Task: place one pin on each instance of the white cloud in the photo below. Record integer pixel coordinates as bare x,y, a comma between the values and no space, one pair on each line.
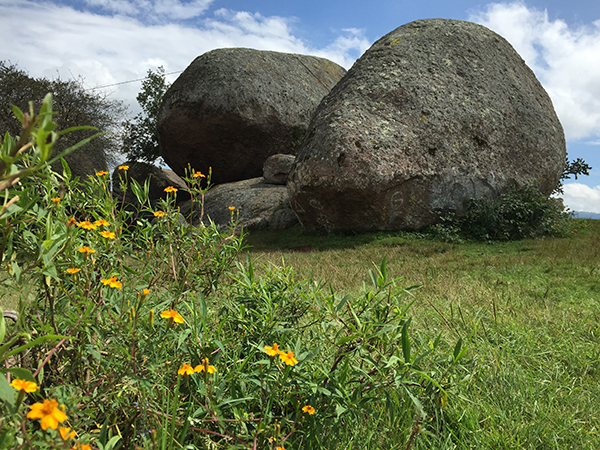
153,10
347,48
566,60
580,197
108,49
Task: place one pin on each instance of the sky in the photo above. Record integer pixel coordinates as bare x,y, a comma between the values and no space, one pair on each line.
111,42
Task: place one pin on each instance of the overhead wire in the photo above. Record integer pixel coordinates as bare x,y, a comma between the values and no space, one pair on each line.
128,81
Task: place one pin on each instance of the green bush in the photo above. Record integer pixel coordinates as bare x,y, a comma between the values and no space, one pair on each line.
520,212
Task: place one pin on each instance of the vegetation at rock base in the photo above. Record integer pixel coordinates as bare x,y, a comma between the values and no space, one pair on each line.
138,333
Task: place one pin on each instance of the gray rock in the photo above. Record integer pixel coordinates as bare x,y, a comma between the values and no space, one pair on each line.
232,108
257,205
159,180
433,114
277,168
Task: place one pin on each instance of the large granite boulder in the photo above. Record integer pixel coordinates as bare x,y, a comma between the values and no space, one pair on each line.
234,107
433,114
258,205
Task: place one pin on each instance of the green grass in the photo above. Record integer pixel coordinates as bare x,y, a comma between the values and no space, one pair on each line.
529,311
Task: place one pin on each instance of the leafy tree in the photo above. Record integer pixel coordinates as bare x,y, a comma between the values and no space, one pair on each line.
73,105
140,139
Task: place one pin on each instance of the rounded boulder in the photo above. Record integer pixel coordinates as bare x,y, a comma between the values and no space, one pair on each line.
232,108
435,113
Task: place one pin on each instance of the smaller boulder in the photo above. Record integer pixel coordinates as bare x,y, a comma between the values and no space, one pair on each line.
277,168
258,205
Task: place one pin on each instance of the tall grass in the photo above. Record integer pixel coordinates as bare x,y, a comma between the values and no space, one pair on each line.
529,310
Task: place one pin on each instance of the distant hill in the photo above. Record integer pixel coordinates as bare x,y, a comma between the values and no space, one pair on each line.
586,215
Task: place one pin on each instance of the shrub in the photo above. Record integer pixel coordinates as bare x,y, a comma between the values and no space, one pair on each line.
520,212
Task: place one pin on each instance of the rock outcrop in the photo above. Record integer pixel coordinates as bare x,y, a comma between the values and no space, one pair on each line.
233,108
276,168
258,205
433,114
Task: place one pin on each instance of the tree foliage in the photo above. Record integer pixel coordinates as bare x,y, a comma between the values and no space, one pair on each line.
140,139
73,104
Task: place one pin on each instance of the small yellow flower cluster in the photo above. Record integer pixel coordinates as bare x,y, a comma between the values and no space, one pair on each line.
24,385
287,358
172,189
48,413
101,173
160,214
87,225
112,282
199,174
172,315
186,369
124,167
55,200
308,409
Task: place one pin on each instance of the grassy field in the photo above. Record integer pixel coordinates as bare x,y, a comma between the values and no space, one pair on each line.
529,311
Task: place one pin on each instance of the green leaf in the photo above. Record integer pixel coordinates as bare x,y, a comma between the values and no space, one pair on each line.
38,341
339,410
2,326
18,372
457,349
110,445
234,401
406,342
8,394
18,114
416,402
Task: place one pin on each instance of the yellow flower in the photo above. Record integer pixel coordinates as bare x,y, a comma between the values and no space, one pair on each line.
288,358
86,249
81,446
87,225
273,351
309,409
107,234
66,433
24,385
145,292
101,173
279,448
172,314
171,189
49,414
71,221
73,270
123,167
186,369
112,282
199,175
101,223
232,208
160,214
55,200
205,367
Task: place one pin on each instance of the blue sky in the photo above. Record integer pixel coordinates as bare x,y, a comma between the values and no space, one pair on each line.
112,41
